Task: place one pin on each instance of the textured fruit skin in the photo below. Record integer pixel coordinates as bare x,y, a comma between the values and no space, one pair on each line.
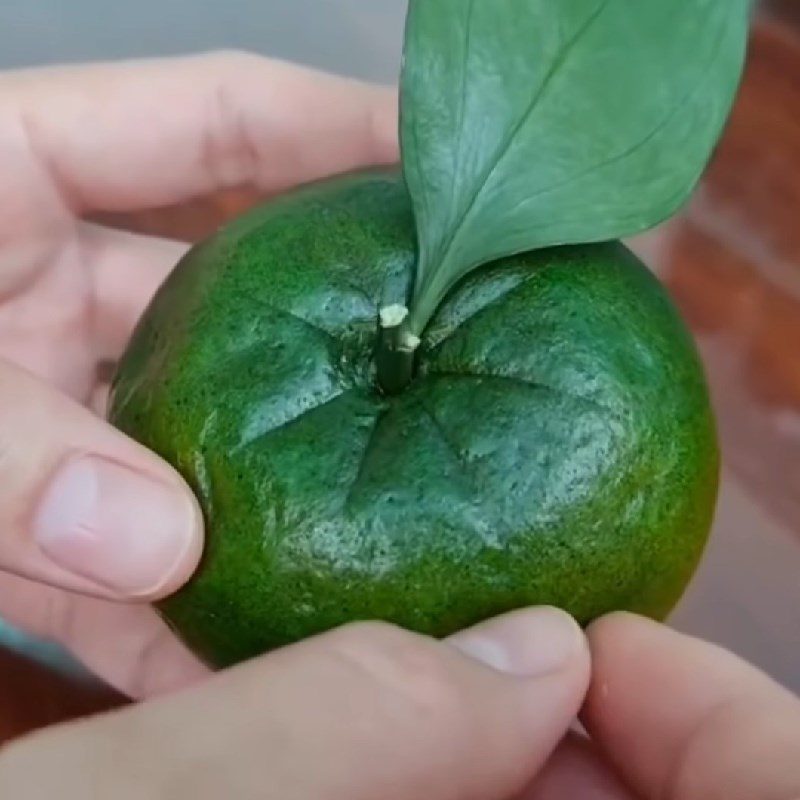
557,446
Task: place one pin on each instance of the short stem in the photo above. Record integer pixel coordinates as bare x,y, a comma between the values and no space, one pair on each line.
396,351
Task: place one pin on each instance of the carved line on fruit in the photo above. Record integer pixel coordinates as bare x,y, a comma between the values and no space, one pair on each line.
287,313
521,381
379,417
466,311
251,441
460,457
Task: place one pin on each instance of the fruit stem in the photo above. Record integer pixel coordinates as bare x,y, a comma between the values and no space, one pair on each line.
397,348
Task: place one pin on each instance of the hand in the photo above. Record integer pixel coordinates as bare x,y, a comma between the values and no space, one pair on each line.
92,526
675,719
370,711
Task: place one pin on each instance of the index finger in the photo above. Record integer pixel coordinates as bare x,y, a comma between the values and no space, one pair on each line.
116,137
685,720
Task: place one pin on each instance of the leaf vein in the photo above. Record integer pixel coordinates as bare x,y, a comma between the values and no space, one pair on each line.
463,97
648,137
505,146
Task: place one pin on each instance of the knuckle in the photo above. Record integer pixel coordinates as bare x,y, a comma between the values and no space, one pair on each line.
9,433
411,671
20,430
739,724
230,150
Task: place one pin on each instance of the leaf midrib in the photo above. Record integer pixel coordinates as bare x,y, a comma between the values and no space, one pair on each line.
494,163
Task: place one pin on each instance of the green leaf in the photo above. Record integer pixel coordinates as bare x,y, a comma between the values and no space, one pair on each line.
532,123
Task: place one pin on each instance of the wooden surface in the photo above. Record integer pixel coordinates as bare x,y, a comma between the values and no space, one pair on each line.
785,11
732,262
733,265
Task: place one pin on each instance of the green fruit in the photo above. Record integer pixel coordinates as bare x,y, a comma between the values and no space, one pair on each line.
556,447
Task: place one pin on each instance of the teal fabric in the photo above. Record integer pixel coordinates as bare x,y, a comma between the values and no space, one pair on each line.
47,653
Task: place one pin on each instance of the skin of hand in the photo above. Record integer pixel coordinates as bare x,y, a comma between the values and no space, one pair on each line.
370,711
674,718
92,526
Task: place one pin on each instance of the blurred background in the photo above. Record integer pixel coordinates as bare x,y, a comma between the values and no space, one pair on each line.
357,37
731,261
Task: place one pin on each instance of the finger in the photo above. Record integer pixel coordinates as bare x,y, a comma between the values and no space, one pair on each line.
127,646
126,269
82,506
152,133
682,719
576,772
367,711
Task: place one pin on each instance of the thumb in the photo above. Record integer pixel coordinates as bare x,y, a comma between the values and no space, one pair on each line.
368,711
83,507
680,718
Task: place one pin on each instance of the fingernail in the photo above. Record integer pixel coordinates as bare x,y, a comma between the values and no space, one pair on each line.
114,526
529,643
